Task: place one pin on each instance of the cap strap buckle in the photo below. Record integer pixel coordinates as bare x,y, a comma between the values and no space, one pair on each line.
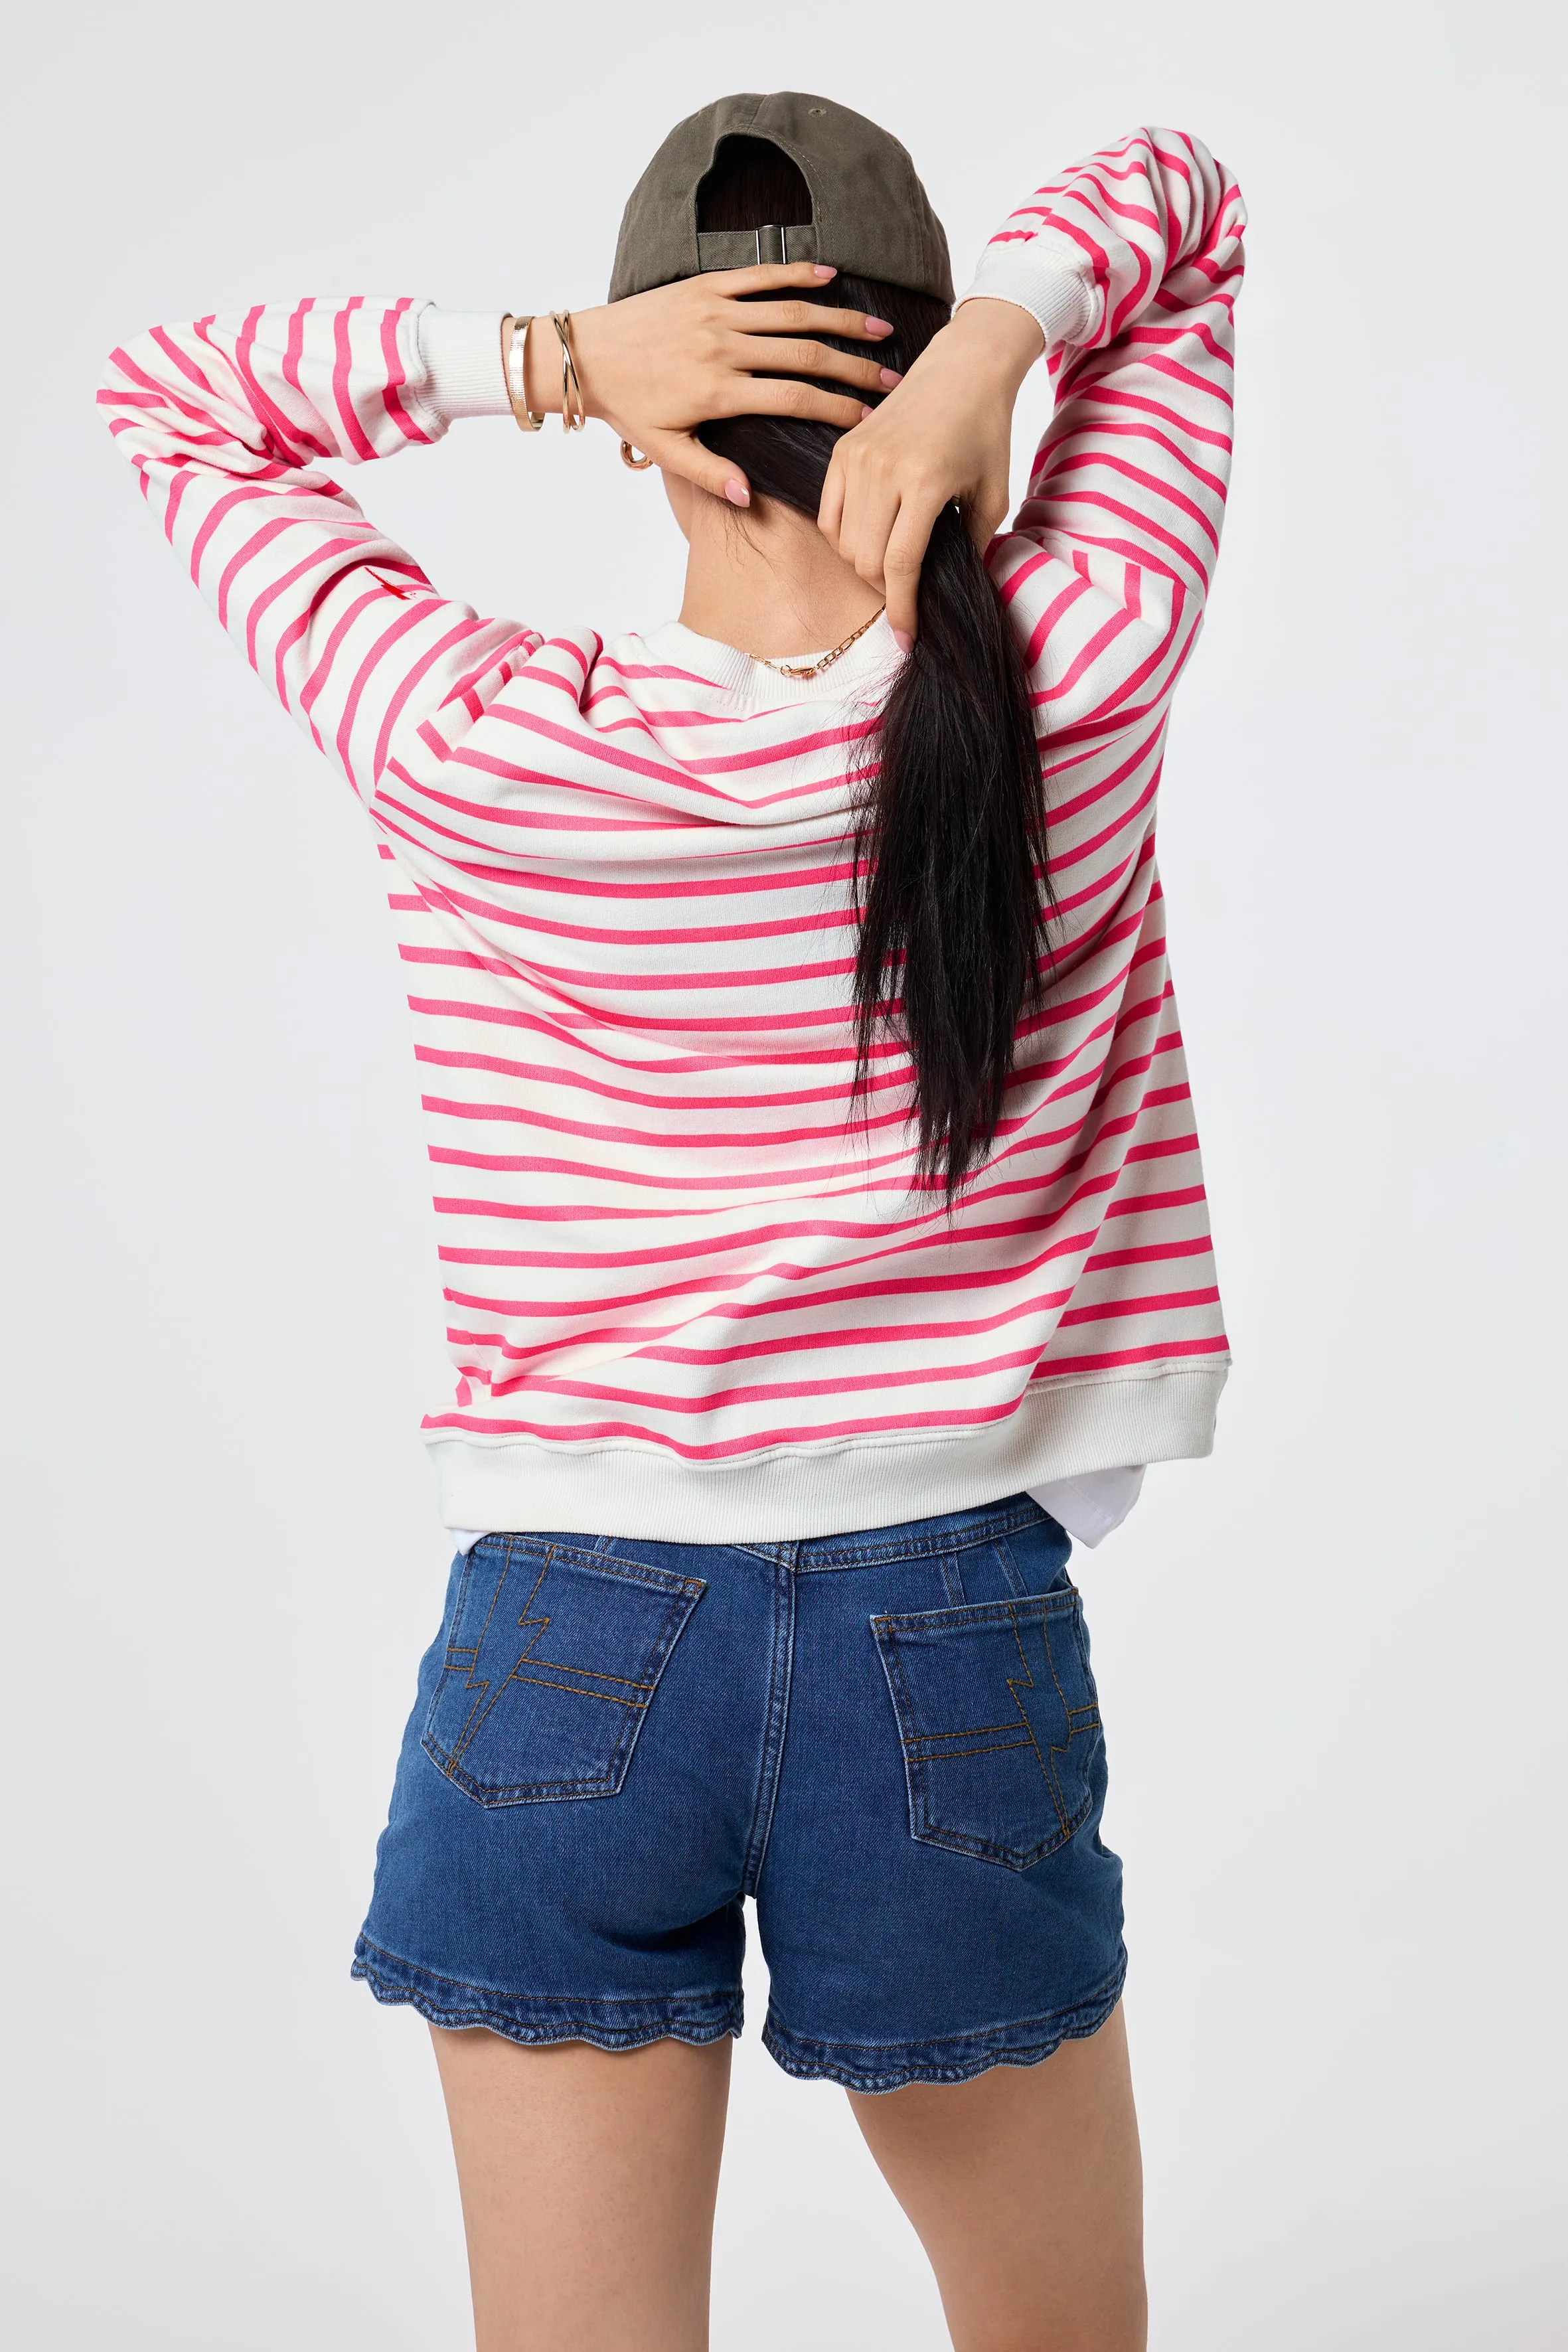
738,249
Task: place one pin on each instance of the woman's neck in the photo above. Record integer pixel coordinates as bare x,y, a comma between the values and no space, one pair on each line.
767,582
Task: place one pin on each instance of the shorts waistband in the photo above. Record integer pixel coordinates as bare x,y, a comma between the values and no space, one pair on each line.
914,1539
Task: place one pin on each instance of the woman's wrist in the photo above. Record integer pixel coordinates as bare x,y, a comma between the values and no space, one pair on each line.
971,368
999,338
465,367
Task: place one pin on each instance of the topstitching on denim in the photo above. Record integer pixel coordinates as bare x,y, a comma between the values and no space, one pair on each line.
885,1547
781,1660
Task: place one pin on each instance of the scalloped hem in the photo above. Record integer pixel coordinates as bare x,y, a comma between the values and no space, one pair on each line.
955,2058
608,2024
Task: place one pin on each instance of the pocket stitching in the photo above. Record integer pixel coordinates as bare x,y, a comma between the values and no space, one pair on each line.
1047,1769
674,1589
481,1709
981,1612
604,1563
916,1757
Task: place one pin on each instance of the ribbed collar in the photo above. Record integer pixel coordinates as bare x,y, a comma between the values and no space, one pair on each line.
867,664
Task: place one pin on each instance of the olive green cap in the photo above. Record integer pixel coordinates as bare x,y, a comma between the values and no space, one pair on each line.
868,211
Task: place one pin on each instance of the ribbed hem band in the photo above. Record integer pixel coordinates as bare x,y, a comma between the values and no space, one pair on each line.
1062,1430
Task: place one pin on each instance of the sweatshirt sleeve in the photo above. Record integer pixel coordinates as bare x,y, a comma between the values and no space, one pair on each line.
228,422
1131,262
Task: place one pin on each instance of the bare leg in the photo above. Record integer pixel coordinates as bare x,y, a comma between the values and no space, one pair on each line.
1025,2189
588,2179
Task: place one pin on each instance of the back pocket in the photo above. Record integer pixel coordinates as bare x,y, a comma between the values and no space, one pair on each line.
552,1660
1000,1724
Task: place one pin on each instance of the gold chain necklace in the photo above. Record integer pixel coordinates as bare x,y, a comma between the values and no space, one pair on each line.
811,670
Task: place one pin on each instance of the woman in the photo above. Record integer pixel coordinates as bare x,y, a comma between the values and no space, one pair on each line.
820,1212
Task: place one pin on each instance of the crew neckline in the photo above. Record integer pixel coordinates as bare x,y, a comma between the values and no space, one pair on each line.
741,674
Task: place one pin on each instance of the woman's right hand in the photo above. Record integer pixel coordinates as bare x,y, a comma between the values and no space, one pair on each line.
655,366
945,437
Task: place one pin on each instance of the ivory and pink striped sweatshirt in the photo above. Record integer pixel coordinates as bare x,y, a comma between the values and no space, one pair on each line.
687,1294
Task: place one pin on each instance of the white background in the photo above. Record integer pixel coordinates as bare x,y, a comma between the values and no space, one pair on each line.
1331,1657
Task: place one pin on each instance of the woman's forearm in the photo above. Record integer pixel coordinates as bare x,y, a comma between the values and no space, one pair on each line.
1000,340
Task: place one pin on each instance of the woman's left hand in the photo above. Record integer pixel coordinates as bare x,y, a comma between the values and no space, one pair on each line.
944,434
656,366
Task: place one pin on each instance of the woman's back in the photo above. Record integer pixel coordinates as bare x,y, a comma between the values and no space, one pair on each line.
671,1236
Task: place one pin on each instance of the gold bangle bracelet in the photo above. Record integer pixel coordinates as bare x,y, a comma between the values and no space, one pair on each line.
513,351
573,414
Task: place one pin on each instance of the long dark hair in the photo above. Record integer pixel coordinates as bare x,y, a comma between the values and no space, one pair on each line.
953,892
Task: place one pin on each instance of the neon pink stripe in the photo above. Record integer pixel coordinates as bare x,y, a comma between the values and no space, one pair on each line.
629,762
397,374
524,820
609,1431
1143,480
713,1024
1106,1310
497,660
282,433
546,1074
186,366
294,348
1101,502
254,546
161,401
408,617
413,677
836,1383
316,684
651,1347
351,431
1149,1253
807,1279
217,513
1109,395
927,1229
492,910
1151,439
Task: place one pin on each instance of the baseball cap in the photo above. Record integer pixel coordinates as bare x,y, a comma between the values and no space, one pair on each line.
868,211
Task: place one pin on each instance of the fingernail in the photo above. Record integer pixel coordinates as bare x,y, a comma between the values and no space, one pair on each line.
866,412
904,642
824,270
738,493
890,376
879,326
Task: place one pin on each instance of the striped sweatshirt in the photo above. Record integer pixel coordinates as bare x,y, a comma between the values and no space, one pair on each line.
692,1290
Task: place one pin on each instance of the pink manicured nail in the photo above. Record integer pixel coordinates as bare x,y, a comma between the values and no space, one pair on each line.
890,376
824,270
738,493
865,412
879,326
904,642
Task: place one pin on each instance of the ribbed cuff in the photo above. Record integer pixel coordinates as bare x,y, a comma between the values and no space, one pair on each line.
1045,276
461,352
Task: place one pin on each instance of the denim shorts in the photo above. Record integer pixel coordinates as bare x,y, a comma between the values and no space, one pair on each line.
891,1740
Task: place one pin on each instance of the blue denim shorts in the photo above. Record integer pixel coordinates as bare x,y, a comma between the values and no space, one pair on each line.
891,1740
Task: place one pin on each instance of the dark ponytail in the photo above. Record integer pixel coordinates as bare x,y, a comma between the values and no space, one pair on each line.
954,893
